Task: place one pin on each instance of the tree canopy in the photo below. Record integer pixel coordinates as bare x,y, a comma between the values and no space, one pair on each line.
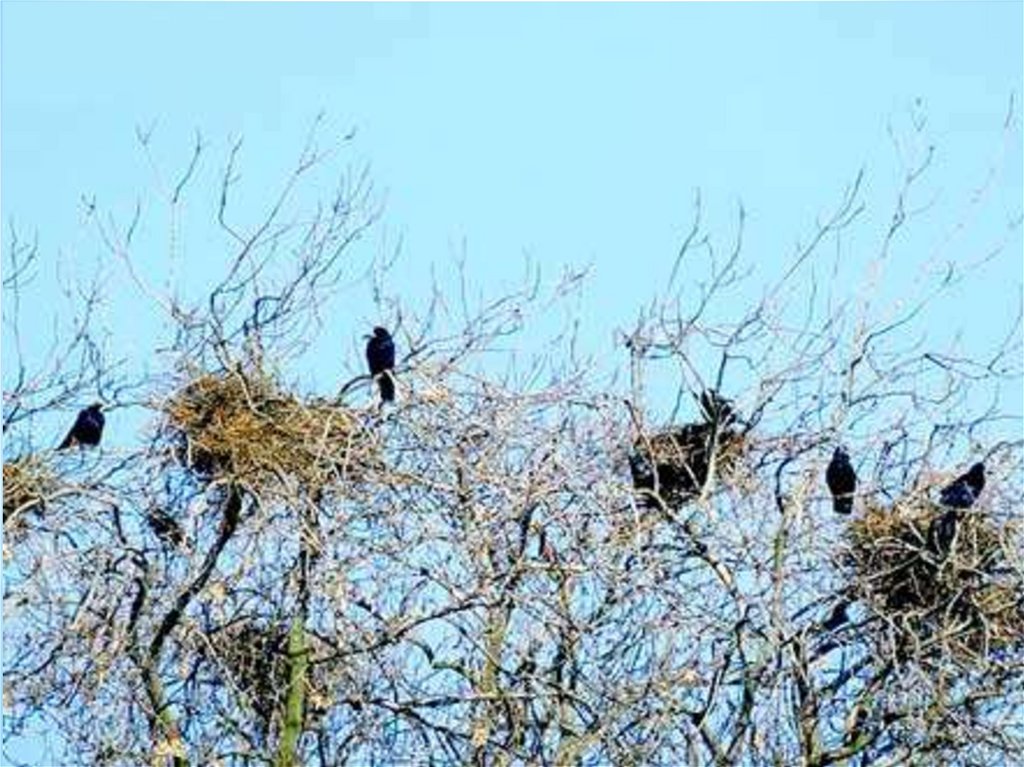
543,551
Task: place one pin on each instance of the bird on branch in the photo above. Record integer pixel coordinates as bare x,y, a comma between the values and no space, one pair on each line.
380,356
841,480
963,491
88,428
716,408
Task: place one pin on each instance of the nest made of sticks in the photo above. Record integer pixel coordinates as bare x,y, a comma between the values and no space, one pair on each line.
673,464
27,483
955,588
246,428
253,657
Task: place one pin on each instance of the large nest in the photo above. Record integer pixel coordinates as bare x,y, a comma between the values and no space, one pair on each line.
251,657
943,580
246,429
27,483
672,465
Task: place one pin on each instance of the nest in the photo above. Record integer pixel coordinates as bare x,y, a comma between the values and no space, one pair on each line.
27,482
244,428
672,466
253,659
951,588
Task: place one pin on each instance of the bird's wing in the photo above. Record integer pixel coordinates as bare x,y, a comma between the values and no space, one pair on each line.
69,440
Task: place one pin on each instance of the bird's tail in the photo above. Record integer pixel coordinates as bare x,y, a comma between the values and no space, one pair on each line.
843,504
69,441
387,386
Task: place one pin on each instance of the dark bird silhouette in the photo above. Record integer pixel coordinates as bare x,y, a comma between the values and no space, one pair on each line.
88,428
642,471
962,492
715,407
838,617
942,531
380,356
165,527
841,480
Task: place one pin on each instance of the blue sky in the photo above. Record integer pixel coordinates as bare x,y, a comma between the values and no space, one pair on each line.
574,133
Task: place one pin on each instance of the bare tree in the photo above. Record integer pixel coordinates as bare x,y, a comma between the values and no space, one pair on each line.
527,559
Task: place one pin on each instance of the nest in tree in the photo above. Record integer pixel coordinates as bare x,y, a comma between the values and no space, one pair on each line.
245,428
253,658
27,482
943,579
673,465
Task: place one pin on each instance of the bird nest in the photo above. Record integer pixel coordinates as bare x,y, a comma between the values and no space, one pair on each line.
672,466
963,596
246,429
252,659
27,483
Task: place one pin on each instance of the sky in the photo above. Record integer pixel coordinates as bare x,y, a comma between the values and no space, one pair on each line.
574,134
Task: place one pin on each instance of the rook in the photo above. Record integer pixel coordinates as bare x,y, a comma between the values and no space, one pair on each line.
965,489
88,428
842,481
380,356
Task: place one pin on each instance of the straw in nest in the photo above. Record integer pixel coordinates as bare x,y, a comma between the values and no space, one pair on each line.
27,482
255,658
961,595
245,428
674,463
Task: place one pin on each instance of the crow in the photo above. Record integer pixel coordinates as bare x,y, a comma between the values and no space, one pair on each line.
715,407
942,531
88,428
841,480
962,492
165,527
380,356
838,617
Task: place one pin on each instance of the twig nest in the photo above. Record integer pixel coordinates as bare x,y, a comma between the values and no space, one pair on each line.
673,465
27,483
252,659
244,428
944,581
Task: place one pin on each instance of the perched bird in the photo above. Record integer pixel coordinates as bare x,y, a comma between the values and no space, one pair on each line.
942,531
841,480
965,489
88,428
165,527
838,617
380,356
715,407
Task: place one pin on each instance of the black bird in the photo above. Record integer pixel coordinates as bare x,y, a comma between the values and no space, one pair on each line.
837,617
962,492
715,407
380,356
165,527
942,531
841,480
88,428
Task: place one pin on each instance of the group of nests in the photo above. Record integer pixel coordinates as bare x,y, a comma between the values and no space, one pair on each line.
672,467
236,428
941,576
